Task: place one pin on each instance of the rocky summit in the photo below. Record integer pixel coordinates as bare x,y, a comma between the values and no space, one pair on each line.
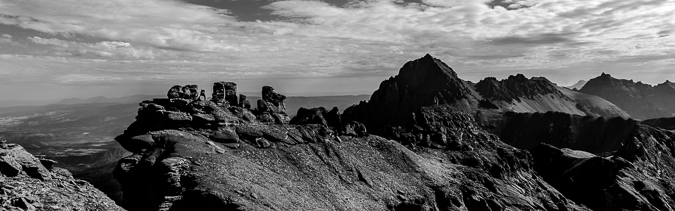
30,183
641,101
426,140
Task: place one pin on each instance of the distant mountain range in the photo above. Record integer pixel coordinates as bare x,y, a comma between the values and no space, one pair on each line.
641,101
101,99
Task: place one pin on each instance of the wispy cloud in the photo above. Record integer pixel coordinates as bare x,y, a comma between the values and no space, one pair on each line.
169,40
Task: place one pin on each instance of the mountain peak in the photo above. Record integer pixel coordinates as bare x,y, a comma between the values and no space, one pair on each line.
580,84
426,81
425,70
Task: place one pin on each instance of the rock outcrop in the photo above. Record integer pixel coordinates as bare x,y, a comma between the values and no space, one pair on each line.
29,183
184,92
225,92
641,101
271,108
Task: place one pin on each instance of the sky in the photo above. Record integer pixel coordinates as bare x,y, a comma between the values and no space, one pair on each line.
52,49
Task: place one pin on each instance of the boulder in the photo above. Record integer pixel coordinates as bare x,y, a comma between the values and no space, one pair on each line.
243,102
225,136
175,92
310,116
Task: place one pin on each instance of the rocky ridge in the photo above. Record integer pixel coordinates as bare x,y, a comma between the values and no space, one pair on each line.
641,101
618,145
435,144
29,183
537,94
184,159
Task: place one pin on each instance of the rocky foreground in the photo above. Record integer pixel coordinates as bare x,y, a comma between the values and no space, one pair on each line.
426,140
29,183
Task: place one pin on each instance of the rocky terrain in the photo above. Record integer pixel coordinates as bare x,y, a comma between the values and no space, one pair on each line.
426,140
219,154
641,101
605,164
29,183
197,153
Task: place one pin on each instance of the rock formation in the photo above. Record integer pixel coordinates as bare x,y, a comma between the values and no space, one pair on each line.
243,102
184,92
271,107
641,101
225,92
29,183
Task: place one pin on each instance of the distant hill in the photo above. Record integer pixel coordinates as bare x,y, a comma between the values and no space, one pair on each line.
101,99
13,103
577,85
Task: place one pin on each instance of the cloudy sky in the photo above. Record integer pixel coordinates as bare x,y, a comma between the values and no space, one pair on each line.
72,48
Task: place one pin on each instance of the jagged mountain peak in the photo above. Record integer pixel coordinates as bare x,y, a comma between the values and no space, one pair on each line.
514,87
422,82
426,72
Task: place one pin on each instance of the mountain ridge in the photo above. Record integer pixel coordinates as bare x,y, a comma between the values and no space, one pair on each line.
641,101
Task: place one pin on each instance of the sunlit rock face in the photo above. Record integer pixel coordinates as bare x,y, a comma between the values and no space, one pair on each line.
30,183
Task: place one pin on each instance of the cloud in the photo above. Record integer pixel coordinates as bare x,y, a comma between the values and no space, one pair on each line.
537,40
108,49
5,38
160,23
170,40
